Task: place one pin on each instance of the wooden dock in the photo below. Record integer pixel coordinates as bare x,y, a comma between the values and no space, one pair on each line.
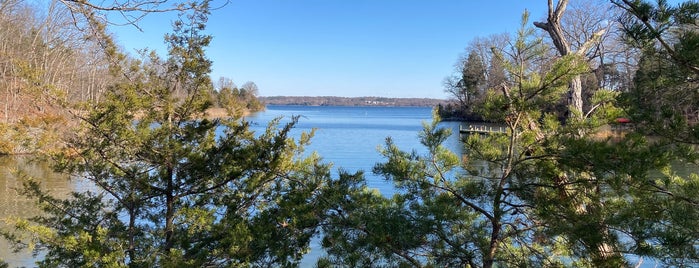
481,129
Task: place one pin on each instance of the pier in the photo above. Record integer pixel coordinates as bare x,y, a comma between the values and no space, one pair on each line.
481,129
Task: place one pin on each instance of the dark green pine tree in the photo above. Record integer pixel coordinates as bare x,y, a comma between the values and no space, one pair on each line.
541,194
473,78
163,187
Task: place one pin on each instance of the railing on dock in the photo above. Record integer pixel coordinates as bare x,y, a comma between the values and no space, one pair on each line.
481,129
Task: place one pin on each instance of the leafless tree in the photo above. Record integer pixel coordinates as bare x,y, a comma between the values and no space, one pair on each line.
554,27
608,56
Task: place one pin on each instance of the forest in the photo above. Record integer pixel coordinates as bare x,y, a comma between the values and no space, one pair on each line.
175,186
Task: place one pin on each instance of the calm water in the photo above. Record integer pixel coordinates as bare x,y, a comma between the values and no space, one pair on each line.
14,205
349,137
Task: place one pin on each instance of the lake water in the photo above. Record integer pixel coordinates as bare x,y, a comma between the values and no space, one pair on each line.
349,137
14,205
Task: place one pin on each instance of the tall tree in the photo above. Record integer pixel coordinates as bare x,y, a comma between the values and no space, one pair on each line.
610,58
555,30
470,85
553,26
473,77
171,189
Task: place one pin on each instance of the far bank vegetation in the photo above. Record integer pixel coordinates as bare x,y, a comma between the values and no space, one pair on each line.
351,101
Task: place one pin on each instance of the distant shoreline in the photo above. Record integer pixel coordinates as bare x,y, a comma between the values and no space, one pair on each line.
351,101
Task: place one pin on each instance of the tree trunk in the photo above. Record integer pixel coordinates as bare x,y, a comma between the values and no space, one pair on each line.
575,102
489,259
169,213
553,27
131,251
170,188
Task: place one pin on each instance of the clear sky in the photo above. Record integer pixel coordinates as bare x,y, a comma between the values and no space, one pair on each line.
388,48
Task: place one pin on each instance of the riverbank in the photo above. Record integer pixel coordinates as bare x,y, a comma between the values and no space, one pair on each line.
45,133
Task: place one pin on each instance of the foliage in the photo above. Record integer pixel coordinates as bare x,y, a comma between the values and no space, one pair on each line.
542,194
664,100
230,97
167,188
172,189
459,213
37,134
7,145
479,72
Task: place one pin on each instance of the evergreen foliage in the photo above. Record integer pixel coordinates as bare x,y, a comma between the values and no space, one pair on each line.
167,188
664,100
543,194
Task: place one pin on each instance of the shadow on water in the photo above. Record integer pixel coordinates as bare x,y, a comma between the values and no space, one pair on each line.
12,204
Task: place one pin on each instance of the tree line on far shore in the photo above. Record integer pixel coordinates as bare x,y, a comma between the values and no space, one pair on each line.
351,101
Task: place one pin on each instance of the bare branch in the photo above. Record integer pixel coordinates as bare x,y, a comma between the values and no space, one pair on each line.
132,11
594,39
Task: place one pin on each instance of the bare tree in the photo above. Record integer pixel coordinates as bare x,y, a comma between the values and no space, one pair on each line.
608,57
130,12
585,28
249,89
553,26
45,60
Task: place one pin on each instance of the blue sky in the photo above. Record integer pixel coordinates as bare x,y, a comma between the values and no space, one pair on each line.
388,48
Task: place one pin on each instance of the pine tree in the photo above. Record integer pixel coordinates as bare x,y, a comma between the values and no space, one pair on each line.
473,78
464,211
541,194
166,187
664,100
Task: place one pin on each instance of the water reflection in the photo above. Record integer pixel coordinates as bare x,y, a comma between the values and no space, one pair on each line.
12,170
